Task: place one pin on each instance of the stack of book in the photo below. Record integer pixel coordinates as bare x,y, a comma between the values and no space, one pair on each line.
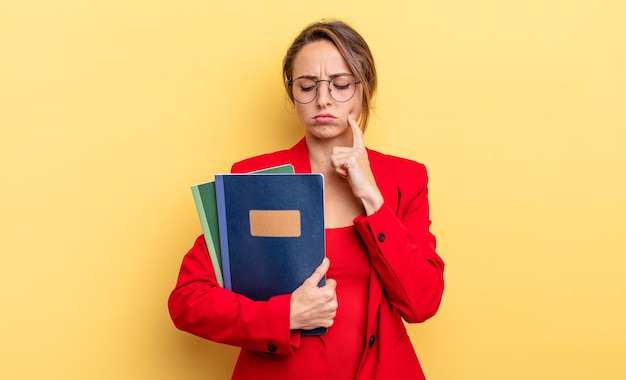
264,230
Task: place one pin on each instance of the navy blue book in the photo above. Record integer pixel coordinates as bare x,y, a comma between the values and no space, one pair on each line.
205,198
271,229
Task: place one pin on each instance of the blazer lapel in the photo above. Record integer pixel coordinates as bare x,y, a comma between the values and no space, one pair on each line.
298,156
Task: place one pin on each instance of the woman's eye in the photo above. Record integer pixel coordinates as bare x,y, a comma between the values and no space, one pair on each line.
342,85
307,88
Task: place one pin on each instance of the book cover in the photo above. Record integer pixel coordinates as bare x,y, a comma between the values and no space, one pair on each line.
204,197
271,231
205,200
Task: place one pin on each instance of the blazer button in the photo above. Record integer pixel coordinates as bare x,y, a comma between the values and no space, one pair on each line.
372,340
271,347
381,237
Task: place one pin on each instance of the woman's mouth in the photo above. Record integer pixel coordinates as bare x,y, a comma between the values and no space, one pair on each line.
324,118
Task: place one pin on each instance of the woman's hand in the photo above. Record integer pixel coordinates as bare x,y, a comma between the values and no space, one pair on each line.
313,306
352,163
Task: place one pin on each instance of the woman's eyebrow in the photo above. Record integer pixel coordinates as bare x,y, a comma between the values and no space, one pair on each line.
315,77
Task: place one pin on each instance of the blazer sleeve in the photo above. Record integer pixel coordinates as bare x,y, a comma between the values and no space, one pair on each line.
401,246
198,305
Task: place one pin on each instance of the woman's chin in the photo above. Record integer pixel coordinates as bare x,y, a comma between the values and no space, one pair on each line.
326,131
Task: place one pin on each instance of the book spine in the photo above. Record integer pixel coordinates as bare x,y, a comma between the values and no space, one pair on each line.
221,213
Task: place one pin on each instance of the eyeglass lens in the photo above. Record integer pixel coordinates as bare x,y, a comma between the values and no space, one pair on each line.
341,88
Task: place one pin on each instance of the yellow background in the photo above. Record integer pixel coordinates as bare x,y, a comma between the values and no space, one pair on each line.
111,110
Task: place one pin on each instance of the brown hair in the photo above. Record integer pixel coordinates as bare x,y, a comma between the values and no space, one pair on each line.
352,47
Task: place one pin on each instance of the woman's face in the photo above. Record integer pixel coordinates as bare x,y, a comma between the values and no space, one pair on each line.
325,117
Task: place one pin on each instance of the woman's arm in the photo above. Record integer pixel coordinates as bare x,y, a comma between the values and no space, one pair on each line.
400,245
198,305
402,249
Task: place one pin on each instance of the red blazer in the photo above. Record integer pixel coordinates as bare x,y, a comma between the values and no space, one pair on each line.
406,283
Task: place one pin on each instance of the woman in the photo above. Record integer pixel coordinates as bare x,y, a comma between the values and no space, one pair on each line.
381,264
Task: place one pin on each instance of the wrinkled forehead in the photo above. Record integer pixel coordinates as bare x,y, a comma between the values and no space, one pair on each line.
320,60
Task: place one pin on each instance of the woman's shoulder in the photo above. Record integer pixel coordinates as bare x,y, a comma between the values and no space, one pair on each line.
386,161
259,162
397,175
296,156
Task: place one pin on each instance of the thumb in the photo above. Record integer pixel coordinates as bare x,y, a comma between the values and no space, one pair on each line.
319,273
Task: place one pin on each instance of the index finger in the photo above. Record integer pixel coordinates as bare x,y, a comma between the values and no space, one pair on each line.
357,133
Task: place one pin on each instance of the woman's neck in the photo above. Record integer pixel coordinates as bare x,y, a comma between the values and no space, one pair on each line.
321,150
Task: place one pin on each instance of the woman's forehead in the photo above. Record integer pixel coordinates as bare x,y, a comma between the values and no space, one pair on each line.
319,58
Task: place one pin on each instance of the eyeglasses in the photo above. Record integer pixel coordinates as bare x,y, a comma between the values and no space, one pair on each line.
341,88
